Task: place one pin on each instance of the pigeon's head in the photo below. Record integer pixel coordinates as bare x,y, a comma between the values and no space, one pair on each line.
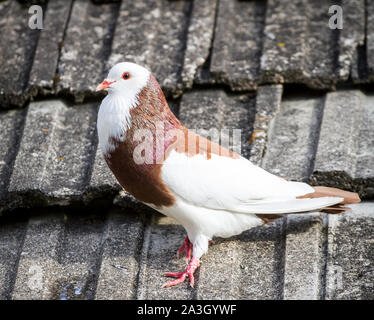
125,78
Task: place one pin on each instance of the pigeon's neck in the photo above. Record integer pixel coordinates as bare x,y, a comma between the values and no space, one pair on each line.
114,119
121,116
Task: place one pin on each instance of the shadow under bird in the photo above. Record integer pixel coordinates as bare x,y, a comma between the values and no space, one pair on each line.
207,188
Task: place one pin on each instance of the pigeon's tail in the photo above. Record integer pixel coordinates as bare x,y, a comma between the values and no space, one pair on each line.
349,198
323,192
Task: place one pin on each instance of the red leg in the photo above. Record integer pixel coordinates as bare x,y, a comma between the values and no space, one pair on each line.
192,266
186,246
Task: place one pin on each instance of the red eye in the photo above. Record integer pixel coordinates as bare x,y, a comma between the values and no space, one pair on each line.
126,76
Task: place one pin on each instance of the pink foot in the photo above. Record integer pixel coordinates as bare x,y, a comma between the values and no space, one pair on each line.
192,266
186,246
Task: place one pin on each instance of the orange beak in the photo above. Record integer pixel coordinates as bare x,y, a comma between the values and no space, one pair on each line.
104,85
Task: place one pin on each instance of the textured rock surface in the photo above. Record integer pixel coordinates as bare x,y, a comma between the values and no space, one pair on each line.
17,49
199,41
55,154
153,34
81,237
345,150
292,137
303,257
237,43
350,254
47,54
217,115
268,101
120,254
88,38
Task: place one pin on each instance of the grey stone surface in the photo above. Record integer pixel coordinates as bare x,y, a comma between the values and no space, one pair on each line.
107,245
122,254
55,154
153,34
12,233
123,236
344,156
87,41
162,238
299,46
284,44
216,114
11,127
268,102
370,38
351,36
248,266
292,137
31,159
303,257
17,49
102,181
43,71
66,265
237,43
199,39
350,254
38,259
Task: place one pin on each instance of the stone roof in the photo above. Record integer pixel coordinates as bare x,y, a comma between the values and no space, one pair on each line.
299,91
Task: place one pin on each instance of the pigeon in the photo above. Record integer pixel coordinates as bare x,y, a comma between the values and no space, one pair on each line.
209,189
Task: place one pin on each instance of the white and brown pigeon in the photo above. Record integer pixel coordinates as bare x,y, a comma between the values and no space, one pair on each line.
207,188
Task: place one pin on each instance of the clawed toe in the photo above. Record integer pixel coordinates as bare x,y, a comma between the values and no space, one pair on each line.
193,265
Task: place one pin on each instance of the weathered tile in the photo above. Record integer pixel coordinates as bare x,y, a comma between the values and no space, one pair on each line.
43,72
218,115
102,181
351,254
71,153
162,238
86,48
284,43
80,256
345,150
12,233
38,260
351,36
249,266
370,38
31,159
268,102
303,257
11,127
18,43
238,43
292,137
321,61
153,34
295,49
199,39
120,258
55,154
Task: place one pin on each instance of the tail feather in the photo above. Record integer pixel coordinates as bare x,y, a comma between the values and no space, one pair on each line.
349,197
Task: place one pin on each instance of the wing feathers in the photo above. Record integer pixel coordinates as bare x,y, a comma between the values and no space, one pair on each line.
288,206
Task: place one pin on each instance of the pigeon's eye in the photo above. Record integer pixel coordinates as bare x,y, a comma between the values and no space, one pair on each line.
126,76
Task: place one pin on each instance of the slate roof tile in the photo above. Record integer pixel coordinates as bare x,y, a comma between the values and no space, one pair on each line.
88,39
43,75
18,43
102,243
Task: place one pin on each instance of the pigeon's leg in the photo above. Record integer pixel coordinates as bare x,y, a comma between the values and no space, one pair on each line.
186,246
192,266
